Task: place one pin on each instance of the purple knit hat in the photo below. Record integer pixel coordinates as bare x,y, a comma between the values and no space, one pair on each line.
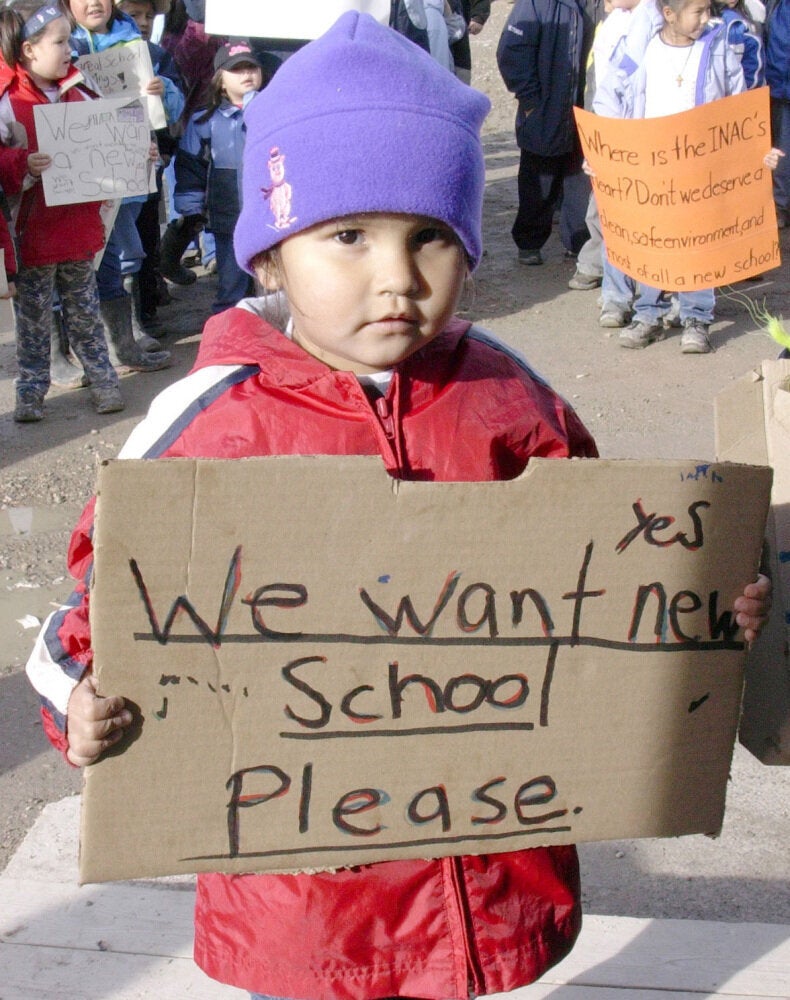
361,120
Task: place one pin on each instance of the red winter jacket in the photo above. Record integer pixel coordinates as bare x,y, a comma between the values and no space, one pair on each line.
45,235
462,408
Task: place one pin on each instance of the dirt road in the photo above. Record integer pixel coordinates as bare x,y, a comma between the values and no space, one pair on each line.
654,403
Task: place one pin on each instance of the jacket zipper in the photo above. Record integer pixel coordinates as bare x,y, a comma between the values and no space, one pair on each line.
384,413
475,980
387,422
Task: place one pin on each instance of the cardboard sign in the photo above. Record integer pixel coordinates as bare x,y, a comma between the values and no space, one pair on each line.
299,19
100,150
685,201
124,70
330,667
753,424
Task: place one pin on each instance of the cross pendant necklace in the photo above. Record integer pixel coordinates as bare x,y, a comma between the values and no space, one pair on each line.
679,77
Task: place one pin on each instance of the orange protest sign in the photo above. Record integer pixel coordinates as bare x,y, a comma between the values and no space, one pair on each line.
685,200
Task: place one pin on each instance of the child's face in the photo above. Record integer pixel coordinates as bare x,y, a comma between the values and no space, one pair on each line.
240,80
142,13
92,14
687,24
367,291
49,57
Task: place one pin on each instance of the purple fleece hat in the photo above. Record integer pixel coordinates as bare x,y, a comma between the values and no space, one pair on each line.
361,120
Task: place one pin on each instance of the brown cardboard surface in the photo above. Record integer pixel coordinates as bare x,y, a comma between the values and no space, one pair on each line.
753,425
331,667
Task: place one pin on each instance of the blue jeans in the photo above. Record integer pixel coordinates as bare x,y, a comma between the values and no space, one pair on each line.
123,254
617,289
233,284
652,304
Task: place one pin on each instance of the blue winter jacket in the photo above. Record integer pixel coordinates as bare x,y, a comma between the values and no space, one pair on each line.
742,38
542,56
208,167
621,94
777,51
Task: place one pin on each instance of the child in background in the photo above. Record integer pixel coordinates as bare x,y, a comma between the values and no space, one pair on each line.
149,289
363,187
609,33
208,164
57,244
100,26
687,61
184,36
744,32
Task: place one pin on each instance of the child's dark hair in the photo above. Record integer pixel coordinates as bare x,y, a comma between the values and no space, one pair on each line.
176,19
214,94
13,18
717,6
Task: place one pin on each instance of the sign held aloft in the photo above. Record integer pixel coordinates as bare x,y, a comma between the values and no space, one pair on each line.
299,19
685,201
331,667
124,70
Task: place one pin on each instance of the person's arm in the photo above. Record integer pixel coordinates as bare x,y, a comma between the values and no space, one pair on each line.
76,721
479,13
517,53
173,100
191,169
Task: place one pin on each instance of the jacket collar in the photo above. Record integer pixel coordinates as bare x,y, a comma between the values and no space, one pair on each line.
20,75
239,337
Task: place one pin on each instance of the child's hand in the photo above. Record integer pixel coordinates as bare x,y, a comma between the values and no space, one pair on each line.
752,607
155,87
37,163
94,724
587,168
772,157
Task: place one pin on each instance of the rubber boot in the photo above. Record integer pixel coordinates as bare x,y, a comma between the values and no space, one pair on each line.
143,338
124,350
62,370
175,239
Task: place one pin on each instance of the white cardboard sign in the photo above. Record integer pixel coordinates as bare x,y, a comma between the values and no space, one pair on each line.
100,150
305,19
124,70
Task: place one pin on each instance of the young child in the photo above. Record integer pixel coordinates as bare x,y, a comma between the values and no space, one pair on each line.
100,26
57,244
148,287
208,164
608,35
686,62
363,187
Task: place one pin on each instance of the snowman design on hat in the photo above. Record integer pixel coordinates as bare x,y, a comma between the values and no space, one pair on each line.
279,194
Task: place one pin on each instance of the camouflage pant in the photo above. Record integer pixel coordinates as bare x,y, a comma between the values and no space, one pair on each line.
75,284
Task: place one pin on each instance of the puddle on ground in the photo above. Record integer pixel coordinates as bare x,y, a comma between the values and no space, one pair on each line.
26,521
